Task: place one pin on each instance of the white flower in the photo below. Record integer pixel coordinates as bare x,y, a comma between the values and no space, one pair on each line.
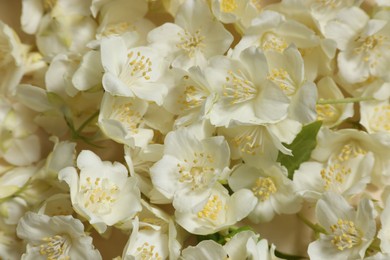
139,162
272,190
89,73
11,60
248,245
331,114
153,234
346,178
349,232
20,144
286,70
193,38
121,18
33,11
343,145
363,45
101,190
384,234
64,65
217,212
122,120
65,33
259,145
230,11
207,249
273,31
245,94
375,116
133,72
146,243
191,97
10,246
58,237
190,167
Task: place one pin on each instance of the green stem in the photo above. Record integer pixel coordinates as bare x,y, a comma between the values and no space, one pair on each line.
315,227
86,122
343,101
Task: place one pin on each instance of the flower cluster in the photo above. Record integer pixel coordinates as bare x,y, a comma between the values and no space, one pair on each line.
188,127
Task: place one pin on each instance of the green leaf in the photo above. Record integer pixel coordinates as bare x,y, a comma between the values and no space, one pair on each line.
301,148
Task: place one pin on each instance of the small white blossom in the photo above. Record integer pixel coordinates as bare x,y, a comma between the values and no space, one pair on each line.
349,232
58,237
273,191
193,38
101,191
190,167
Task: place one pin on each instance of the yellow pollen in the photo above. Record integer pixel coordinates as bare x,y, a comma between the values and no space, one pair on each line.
281,78
264,188
238,89
381,119
370,48
350,151
250,140
54,247
126,114
272,42
140,65
228,6
192,97
148,252
335,174
345,234
198,172
99,195
212,208
326,112
191,43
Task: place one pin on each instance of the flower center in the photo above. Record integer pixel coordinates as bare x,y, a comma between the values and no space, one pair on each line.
238,89
191,43
273,42
197,173
381,119
326,112
126,114
138,67
350,151
335,174
345,234
193,96
264,188
281,78
99,195
249,140
212,209
228,6
148,252
369,47
55,247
